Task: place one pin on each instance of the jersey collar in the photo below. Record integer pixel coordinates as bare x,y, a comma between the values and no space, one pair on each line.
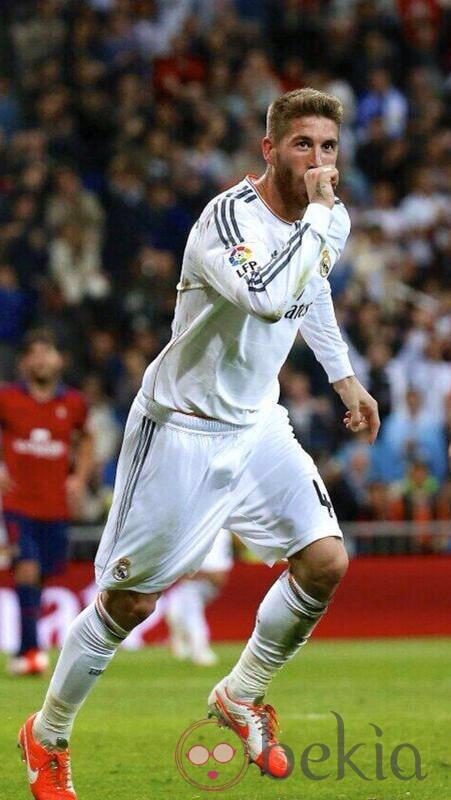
60,390
250,179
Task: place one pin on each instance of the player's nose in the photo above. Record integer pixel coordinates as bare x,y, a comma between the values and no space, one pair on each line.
316,157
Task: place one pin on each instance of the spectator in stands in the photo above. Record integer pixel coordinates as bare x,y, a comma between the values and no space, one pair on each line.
15,313
418,500
9,109
378,377
383,211
373,258
360,465
75,266
70,202
382,100
102,423
413,433
311,417
432,376
134,365
41,34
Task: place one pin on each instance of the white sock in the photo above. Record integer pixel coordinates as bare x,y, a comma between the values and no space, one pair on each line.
285,620
186,611
90,644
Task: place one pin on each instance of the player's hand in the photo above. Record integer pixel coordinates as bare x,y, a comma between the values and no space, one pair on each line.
362,413
75,490
320,183
6,482
6,555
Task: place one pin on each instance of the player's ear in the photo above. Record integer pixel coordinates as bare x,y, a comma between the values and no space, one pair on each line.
268,150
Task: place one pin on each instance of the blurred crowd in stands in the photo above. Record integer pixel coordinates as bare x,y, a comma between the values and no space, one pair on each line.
120,119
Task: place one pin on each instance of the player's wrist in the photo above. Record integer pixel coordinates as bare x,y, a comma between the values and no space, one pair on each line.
344,383
318,217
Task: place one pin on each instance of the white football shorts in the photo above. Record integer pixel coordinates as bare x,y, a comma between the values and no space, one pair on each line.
181,478
220,557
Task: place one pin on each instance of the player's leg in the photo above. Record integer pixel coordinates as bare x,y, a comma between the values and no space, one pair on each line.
27,583
186,604
185,614
90,644
289,612
168,506
94,636
285,513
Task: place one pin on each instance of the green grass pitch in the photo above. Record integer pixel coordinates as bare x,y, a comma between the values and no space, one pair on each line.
125,736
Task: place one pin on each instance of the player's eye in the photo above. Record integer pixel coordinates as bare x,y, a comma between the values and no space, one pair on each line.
303,144
223,753
198,755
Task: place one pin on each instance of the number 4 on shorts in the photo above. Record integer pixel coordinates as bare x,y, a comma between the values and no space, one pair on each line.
323,499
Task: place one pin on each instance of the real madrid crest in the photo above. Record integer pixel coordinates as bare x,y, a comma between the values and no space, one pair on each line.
325,263
121,570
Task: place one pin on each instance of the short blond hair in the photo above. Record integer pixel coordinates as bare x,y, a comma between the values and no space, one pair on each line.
300,103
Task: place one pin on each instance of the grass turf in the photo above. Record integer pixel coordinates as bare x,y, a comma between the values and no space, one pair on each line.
125,736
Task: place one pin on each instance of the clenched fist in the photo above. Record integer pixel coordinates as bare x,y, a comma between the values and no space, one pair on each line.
320,183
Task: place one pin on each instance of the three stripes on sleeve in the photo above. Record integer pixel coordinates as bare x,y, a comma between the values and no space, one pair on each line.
231,236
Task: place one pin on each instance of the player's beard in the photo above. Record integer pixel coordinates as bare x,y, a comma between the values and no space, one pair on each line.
43,381
291,188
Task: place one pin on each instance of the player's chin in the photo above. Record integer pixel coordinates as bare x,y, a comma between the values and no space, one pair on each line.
301,194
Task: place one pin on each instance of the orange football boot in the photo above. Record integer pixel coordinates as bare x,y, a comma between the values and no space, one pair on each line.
256,725
49,773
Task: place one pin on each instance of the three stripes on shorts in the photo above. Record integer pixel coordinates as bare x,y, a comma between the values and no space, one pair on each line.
142,448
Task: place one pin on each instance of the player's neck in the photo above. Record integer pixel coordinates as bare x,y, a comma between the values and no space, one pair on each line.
279,205
42,392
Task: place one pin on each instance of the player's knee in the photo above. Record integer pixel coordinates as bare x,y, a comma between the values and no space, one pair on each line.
320,571
129,608
326,574
336,568
143,607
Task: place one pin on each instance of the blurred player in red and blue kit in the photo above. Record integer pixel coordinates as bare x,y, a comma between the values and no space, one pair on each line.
47,459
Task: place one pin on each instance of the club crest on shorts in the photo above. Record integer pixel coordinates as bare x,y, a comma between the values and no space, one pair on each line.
121,570
325,263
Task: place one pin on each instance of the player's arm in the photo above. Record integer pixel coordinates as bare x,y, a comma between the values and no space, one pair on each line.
320,330
6,482
77,481
83,456
236,261
82,459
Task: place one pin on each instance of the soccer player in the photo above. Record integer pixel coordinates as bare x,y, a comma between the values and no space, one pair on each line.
42,479
186,604
207,446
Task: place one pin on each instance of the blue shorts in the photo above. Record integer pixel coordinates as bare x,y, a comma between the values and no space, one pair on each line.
36,540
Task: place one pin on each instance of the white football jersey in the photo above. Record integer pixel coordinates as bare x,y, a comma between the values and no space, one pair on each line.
249,281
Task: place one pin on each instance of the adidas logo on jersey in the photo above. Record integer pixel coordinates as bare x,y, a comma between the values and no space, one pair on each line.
297,311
